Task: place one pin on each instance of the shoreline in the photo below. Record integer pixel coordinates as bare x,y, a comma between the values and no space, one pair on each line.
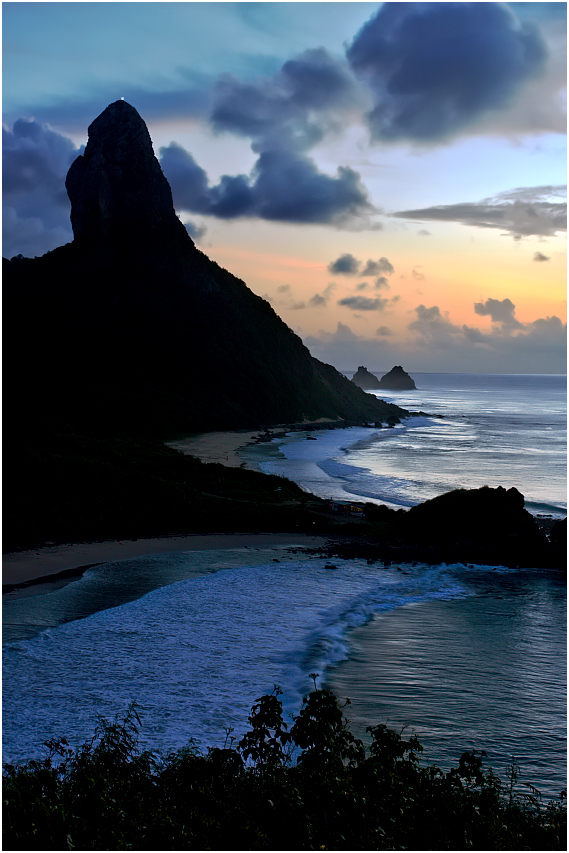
54,563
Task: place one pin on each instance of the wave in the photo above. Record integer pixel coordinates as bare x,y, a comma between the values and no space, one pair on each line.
196,654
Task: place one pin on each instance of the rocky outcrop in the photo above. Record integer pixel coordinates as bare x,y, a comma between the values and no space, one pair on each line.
397,380
131,327
478,525
365,380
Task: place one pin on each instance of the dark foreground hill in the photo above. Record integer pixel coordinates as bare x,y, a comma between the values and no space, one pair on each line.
131,327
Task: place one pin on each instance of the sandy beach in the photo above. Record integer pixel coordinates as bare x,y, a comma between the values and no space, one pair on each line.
224,447
24,567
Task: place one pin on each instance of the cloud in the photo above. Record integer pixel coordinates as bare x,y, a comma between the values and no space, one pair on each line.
538,347
363,303
344,265
435,69
500,311
383,265
320,300
381,283
195,231
282,187
417,274
432,325
294,109
522,212
540,257
35,161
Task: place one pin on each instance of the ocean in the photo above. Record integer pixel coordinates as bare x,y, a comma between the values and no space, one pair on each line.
468,657
486,430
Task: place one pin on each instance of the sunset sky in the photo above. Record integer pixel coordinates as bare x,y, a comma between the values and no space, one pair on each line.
391,177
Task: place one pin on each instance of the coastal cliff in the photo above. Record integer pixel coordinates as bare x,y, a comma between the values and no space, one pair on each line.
131,327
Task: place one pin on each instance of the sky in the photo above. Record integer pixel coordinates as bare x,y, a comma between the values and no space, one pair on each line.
391,177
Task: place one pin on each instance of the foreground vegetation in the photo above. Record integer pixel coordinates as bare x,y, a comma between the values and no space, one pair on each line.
314,786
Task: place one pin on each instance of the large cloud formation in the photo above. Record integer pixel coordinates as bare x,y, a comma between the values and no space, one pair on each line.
35,160
284,116
282,187
522,212
435,341
436,68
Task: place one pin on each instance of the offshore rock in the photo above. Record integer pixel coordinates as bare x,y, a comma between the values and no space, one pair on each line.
131,329
397,380
365,380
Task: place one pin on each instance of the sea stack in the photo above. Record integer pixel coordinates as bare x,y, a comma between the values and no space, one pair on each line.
366,380
397,380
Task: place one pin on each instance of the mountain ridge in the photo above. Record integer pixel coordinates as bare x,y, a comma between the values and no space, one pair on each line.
132,324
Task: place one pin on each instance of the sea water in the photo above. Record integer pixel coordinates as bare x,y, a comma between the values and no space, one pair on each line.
480,430
470,657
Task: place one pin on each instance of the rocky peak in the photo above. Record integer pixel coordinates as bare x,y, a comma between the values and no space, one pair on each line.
118,192
397,380
365,380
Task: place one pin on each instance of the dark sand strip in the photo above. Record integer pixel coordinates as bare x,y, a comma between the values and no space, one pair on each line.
54,562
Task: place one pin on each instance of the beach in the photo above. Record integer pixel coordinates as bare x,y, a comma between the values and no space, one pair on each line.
54,561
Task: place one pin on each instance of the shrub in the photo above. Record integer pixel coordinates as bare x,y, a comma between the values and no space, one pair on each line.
313,787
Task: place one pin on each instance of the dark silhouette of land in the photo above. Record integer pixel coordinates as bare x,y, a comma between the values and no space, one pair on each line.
129,336
131,327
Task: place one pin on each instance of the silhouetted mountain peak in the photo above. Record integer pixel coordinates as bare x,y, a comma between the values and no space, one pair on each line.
131,327
117,189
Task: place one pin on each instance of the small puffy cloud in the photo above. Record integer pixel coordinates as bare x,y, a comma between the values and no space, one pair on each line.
344,265
383,265
381,283
435,69
540,257
424,233
283,288
383,332
432,325
522,212
363,303
320,300
35,161
500,311
282,187
195,231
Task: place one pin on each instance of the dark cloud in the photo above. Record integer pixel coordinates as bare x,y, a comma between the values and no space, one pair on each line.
293,110
537,347
344,265
500,311
432,325
436,68
195,231
282,187
540,257
381,283
523,212
383,265
363,303
35,161
320,300
74,115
